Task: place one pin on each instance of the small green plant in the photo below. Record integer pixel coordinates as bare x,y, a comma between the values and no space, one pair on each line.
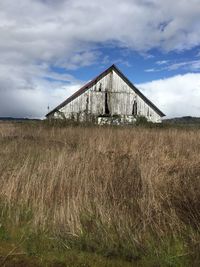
141,121
4,235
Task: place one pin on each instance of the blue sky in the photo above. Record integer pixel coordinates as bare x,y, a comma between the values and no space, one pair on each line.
140,67
51,48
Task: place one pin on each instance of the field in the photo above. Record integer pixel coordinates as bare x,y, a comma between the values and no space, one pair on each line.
99,196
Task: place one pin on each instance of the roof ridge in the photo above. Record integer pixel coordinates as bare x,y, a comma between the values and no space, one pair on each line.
90,83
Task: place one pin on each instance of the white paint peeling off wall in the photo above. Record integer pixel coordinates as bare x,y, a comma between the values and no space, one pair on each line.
110,95
127,97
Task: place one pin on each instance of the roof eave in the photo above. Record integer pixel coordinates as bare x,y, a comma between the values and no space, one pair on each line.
138,92
89,84
81,90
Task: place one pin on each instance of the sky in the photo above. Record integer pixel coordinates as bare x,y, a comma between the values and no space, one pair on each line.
48,49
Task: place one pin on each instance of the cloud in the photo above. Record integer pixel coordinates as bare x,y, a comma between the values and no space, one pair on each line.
56,30
169,65
192,65
175,96
32,101
151,70
162,62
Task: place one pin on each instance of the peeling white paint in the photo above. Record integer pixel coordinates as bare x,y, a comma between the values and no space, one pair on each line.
119,96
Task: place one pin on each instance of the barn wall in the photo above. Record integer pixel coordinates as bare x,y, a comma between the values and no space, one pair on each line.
91,102
120,99
126,97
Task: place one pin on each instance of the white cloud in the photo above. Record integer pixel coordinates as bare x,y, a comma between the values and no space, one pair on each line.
162,62
151,70
175,96
169,65
52,30
192,65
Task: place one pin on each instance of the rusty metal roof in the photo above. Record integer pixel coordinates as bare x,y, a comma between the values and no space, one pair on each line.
99,77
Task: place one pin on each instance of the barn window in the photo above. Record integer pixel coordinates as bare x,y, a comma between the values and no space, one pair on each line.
100,87
106,104
134,111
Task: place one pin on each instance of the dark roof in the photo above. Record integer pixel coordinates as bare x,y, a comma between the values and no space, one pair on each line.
99,77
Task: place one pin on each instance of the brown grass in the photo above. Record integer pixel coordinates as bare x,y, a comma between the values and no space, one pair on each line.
120,186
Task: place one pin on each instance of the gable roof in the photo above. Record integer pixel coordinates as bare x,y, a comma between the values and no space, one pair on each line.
99,77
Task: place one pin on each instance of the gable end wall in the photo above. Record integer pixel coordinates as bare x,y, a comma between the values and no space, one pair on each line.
120,101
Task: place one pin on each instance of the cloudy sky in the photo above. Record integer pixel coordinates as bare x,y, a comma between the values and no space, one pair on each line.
49,48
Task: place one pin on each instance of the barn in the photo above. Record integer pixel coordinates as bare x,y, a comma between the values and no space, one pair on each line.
108,98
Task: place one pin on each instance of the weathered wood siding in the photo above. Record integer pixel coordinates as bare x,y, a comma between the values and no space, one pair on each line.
120,100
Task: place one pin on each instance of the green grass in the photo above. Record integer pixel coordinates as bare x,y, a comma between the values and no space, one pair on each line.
21,246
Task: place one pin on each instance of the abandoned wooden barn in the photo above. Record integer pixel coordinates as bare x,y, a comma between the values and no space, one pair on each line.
109,98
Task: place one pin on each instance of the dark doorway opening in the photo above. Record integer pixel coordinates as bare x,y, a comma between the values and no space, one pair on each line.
107,111
134,111
87,104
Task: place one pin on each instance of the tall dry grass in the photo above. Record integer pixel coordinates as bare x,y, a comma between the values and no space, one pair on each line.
115,186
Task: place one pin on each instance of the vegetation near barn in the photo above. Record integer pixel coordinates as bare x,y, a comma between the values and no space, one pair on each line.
99,196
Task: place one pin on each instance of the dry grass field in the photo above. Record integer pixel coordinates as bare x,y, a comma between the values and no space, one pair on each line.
121,193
